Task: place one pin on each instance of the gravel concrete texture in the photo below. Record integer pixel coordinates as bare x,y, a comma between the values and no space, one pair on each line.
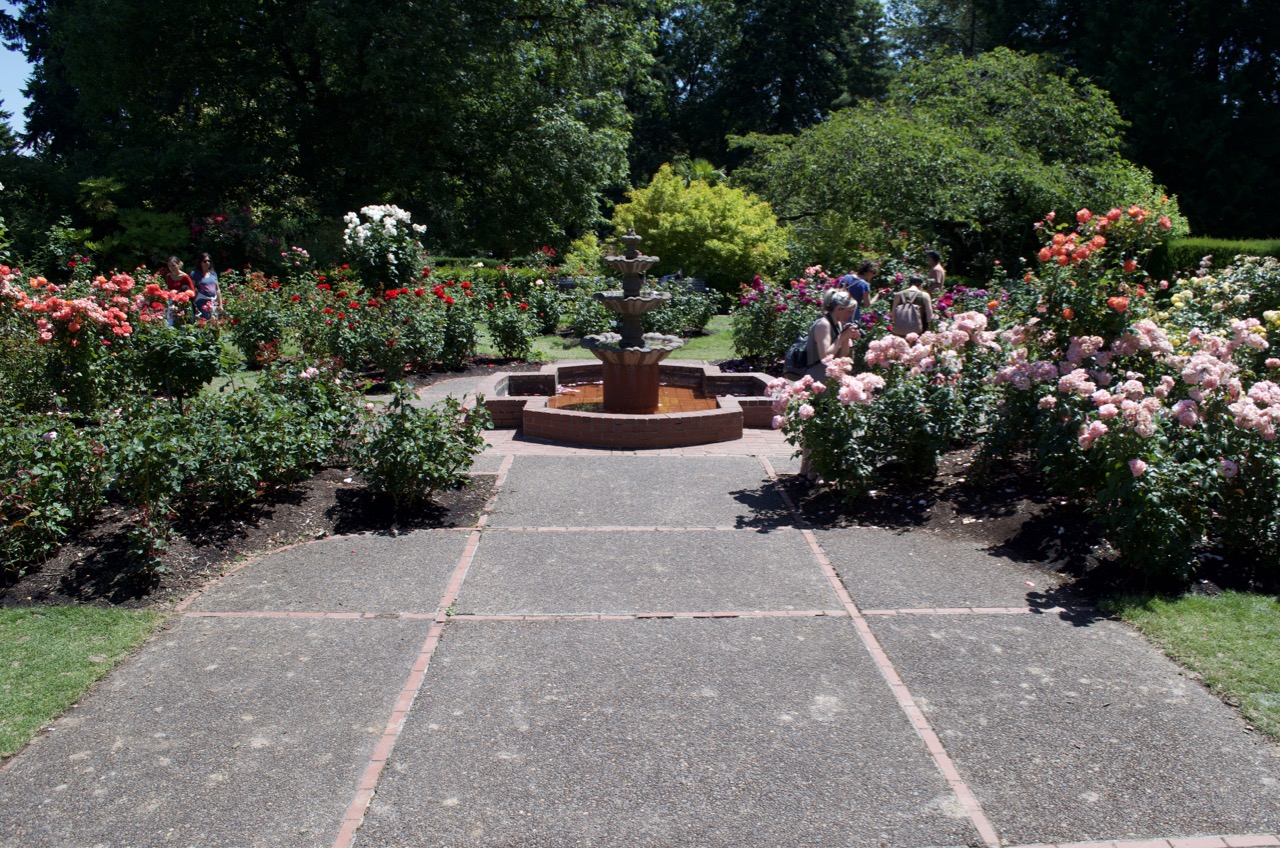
220,732
638,491
1073,731
735,732
489,462
784,463
634,571
887,570
369,572
457,387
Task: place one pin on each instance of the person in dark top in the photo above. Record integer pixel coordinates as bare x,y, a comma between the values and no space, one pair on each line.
175,279
206,282
859,286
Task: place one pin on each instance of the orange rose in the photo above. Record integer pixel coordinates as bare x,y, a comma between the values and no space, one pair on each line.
1068,313
1119,304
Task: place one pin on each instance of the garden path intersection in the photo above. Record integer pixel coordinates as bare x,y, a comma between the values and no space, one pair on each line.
642,649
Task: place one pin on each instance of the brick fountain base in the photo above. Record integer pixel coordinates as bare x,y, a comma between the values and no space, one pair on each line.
521,401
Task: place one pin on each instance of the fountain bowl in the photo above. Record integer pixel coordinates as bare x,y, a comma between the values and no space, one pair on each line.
520,401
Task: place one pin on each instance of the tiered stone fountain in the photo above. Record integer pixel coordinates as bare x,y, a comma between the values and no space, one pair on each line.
633,374
631,358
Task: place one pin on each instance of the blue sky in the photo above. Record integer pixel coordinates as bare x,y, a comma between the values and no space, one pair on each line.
13,78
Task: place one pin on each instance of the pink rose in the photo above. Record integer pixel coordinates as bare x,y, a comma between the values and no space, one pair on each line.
1137,467
806,411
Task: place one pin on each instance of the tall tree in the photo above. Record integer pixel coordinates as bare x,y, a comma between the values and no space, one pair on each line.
920,28
728,67
963,153
499,124
1197,80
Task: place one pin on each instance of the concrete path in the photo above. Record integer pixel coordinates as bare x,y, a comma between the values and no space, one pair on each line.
642,650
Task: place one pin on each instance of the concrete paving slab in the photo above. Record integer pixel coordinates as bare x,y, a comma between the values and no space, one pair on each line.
221,732
1072,733
363,573
638,491
643,571
888,570
489,462
458,387
784,463
744,732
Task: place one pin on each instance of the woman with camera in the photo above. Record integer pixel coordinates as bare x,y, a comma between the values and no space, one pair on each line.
832,334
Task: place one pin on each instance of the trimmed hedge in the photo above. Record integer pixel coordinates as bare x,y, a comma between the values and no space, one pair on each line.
1182,256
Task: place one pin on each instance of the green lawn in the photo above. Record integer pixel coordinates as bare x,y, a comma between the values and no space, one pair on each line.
1231,640
50,656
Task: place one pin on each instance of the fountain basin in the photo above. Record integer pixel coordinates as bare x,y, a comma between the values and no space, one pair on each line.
638,304
520,401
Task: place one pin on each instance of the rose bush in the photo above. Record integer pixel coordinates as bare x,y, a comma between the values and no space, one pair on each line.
1154,404
382,243
407,452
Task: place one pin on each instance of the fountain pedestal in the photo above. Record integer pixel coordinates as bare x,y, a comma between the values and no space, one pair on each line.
631,358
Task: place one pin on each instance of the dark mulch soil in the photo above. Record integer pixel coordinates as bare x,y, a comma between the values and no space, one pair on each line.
94,567
1007,508
741,366
1004,508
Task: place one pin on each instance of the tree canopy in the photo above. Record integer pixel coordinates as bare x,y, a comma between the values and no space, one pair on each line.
963,152
501,125
716,232
505,125
1198,82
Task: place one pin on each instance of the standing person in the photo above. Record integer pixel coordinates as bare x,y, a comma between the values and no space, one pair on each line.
937,274
858,285
176,280
208,299
832,334
912,310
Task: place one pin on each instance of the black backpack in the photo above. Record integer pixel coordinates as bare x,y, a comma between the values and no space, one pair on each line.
798,355
797,358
